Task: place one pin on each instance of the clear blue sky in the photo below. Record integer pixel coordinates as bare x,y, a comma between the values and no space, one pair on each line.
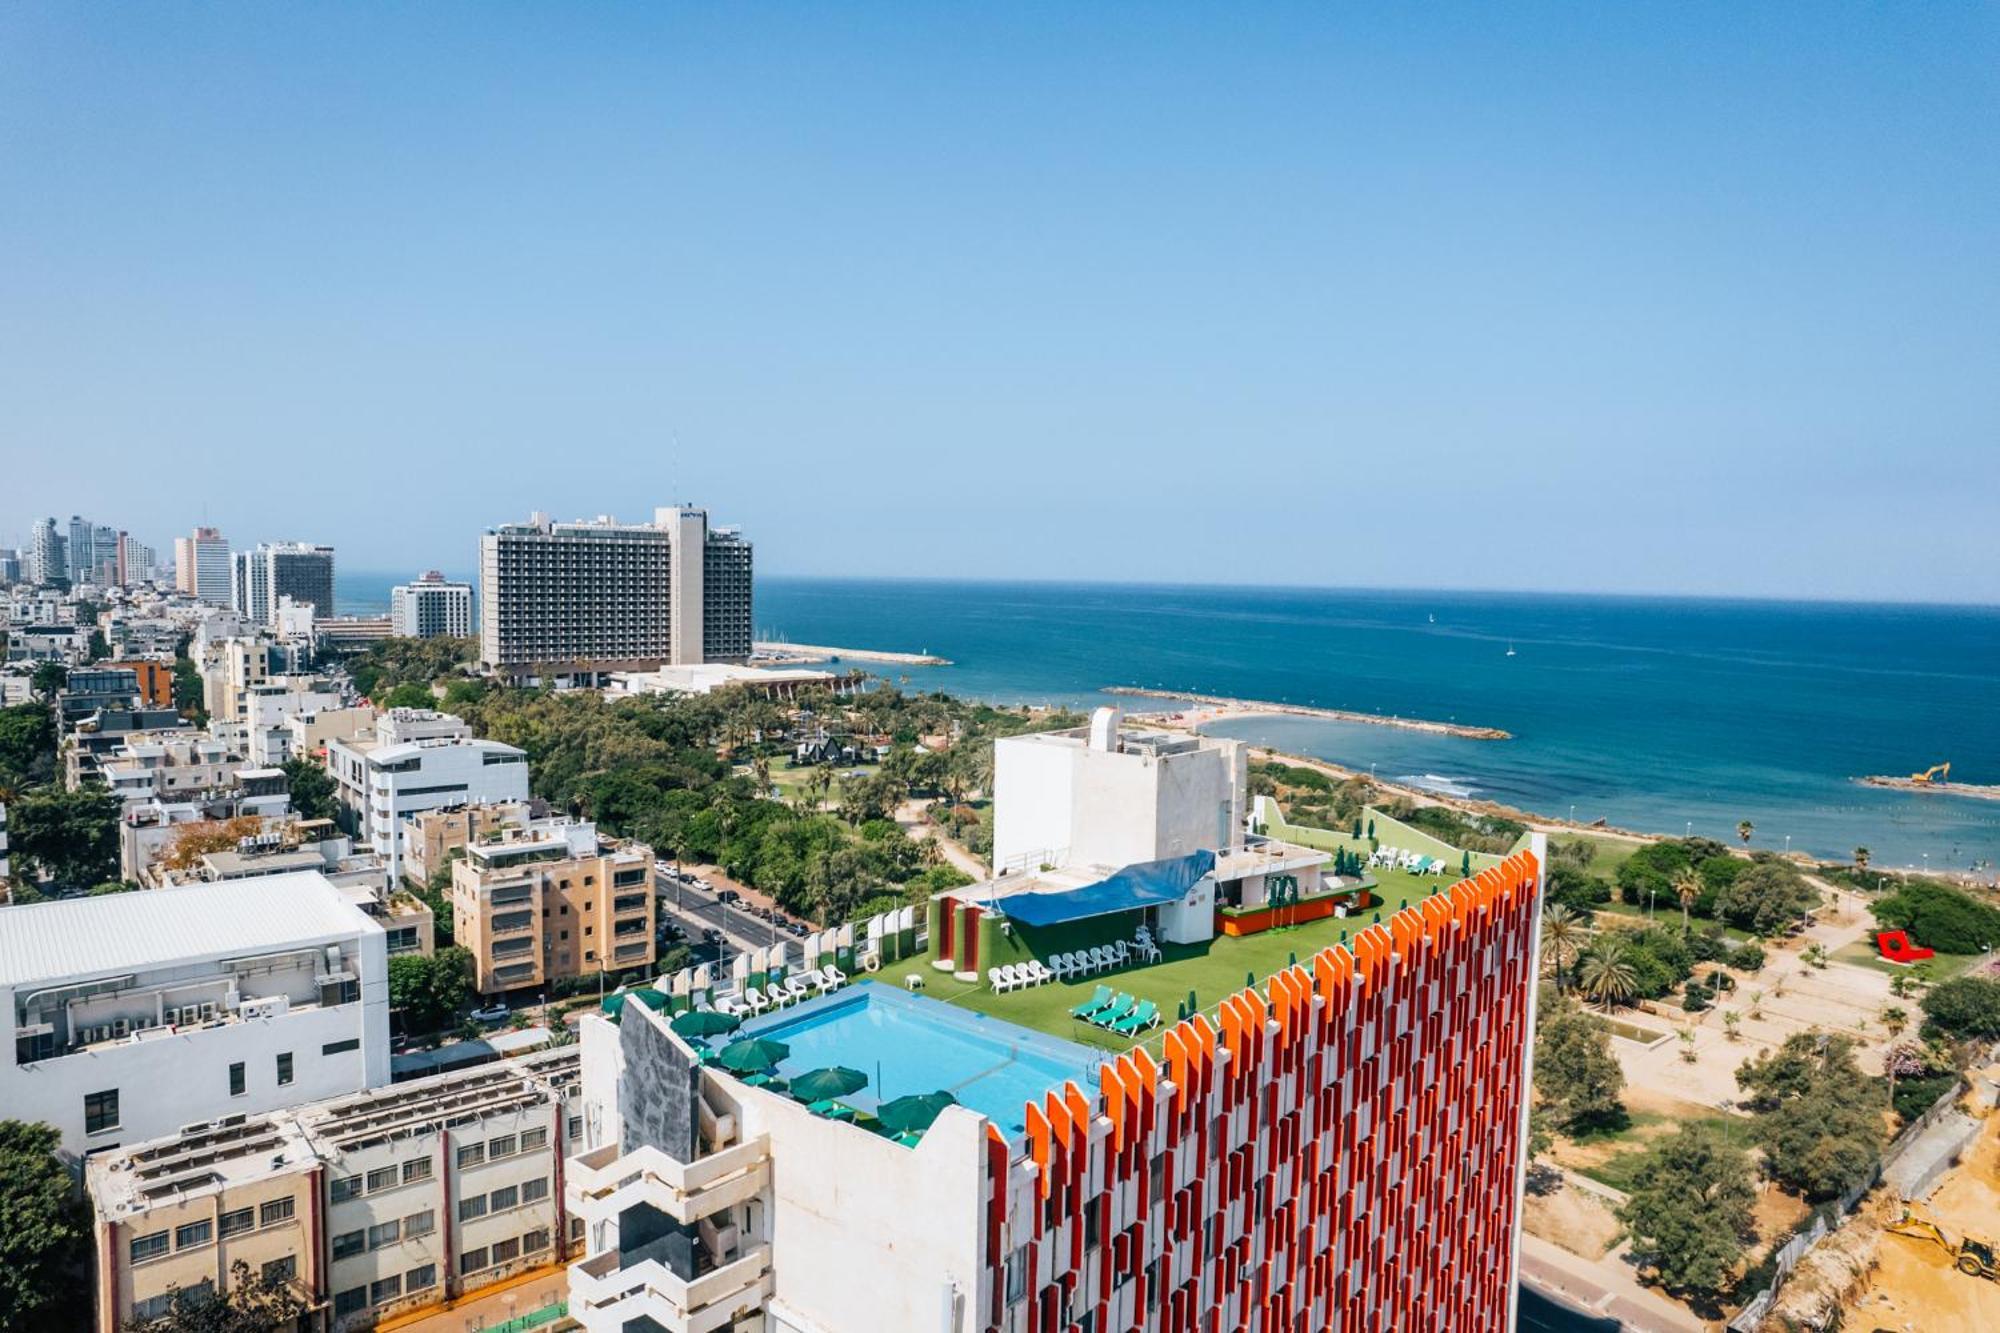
1675,297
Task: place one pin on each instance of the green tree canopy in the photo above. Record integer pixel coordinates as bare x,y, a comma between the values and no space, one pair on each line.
311,788
1940,917
27,746
432,992
251,1304
71,837
1965,1007
1576,1077
44,1236
1766,898
1690,1209
48,678
1818,1117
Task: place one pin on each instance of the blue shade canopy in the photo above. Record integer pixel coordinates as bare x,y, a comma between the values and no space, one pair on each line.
1140,885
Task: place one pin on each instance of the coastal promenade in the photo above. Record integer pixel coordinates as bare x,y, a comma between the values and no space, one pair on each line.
769,653
1227,707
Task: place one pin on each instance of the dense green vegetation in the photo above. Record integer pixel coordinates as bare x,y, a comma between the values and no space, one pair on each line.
27,748
1964,1007
1312,798
389,663
1462,829
431,992
251,1303
1577,1079
1940,916
69,838
311,788
44,1232
1818,1117
1690,1208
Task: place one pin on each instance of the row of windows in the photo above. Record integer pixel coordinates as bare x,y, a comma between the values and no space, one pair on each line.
361,1240
503,1145
383,1290
193,1235
500,1200
381,1178
239,1083
504,1251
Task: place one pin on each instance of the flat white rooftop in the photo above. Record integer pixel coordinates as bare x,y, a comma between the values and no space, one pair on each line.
124,932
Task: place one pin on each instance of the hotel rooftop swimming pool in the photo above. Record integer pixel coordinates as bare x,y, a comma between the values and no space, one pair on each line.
908,1044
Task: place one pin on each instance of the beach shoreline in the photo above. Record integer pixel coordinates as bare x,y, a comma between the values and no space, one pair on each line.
1221,706
792,654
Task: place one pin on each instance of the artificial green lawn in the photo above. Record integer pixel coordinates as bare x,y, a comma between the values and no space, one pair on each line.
1213,971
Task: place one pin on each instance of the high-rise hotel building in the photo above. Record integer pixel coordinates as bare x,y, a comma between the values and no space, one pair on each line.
599,595
261,578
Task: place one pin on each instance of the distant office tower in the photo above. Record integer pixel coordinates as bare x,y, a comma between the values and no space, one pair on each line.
601,595
104,555
134,561
10,566
81,549
201,566
48,553
430,607
273,570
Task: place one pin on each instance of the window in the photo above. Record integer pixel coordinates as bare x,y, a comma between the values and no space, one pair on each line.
532,1139
502,1146
1017,1275
503,1199
352,1301
471,1154
284,1068
534,1191
236,1081
420,1277
506,1251
281,1270
345,1188
384,1178
419,1224
472,1207
576,1126
274,1212
576,1229
148,1247
472,1260
100,1111
384,1233
153,1307
349,1243
237,1221
385,1289
536,1241
341,1047
192,1235
417,1168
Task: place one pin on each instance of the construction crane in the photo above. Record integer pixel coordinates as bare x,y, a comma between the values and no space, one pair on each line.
1970,1256
1935,773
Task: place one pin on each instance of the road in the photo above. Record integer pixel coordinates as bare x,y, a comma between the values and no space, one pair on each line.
698,909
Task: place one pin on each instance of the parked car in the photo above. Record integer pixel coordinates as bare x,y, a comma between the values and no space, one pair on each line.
711,936
492,1013
727,895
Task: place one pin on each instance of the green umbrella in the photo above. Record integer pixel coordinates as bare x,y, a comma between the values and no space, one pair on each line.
705,1023
915,1112
614,1004
820,1085
753,1054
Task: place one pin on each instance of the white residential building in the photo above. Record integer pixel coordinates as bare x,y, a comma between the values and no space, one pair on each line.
431,607
418,759
265,574
269,706
136,1013
201,566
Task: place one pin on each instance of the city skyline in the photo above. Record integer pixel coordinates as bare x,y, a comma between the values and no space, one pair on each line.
1706,294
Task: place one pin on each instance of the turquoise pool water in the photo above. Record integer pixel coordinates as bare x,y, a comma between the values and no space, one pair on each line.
908,1044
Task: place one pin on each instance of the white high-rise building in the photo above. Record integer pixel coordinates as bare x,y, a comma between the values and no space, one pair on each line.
431,607
417,759
600,595
201,566
274,570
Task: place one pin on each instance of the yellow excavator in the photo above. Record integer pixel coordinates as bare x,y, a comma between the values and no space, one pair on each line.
1971,1256
1936,773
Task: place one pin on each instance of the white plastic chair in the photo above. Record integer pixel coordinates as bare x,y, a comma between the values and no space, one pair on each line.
798,987
1000,983
755,999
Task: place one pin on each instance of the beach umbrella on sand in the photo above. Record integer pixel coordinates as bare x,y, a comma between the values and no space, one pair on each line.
819,1085
907,1114
705,1023
753,1055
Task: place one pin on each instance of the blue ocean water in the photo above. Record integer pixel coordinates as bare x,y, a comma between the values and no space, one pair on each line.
1662,714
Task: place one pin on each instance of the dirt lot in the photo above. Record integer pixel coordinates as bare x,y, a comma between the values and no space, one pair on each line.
1915,1288
1574,1219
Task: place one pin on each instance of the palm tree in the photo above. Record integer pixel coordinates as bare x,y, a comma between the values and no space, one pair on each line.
1744,829
1731,1021
760,772
1687,887
1895,1018
1562,939
1607,974
1861,855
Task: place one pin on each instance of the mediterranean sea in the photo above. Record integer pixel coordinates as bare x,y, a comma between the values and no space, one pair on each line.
1659,714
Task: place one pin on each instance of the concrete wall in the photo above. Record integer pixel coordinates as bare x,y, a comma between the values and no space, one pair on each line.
1032,787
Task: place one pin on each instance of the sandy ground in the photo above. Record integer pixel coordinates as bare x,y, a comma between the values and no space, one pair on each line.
1580,1222
1914,1286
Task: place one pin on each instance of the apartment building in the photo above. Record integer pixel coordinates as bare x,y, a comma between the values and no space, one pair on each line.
263,575
182,765
431,836
67,644
431,607
391,1207
582,598
268,705
552,900
136,1013
201,566
230,668
419,759
152,676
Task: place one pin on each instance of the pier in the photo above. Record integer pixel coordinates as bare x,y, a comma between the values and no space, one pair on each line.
811,652
1258,707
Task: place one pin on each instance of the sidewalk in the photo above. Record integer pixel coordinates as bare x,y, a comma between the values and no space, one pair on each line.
1606,1287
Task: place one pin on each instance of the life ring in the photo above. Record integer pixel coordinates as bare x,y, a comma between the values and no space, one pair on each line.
871,962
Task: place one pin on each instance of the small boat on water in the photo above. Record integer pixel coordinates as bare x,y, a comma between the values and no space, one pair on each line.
1510,650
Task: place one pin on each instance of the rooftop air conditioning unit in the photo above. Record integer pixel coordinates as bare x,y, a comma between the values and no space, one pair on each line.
208,1011
121,1028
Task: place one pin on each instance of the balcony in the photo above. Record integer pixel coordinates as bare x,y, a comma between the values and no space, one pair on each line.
602,1184
605,1295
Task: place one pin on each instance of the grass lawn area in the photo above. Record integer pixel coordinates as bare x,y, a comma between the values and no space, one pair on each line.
788,778
1611,852
1943,967
1664,917
1213,971
1619,1169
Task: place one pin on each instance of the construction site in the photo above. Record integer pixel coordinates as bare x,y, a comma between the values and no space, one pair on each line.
1936,778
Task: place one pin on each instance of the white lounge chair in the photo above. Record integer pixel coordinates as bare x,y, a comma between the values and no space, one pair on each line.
1041,972
1000,981
755,999
799,986
839,977
732,1006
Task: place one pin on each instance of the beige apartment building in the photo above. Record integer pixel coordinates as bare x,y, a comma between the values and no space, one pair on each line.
387,1209
431,836
550,901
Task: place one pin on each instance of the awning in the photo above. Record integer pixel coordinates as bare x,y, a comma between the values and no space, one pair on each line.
1136,886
